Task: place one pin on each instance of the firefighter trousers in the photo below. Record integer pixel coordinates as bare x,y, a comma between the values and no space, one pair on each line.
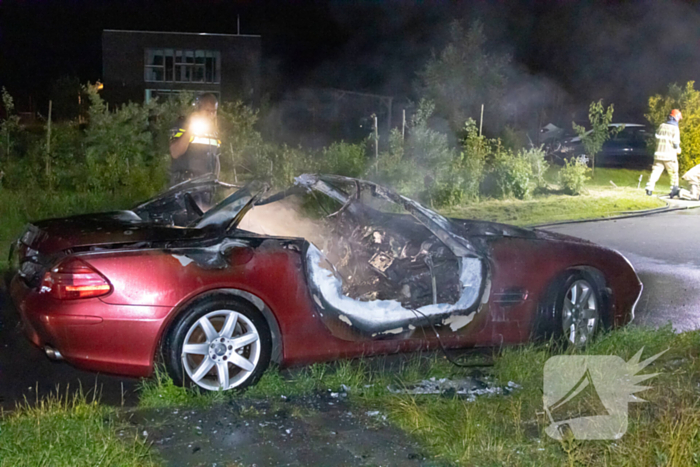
656,170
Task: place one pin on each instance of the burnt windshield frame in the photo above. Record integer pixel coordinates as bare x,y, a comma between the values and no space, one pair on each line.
251,190
200,182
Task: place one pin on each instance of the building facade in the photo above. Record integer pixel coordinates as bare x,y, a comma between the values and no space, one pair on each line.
141,65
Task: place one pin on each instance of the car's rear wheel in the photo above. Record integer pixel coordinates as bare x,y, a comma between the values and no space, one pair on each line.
218,343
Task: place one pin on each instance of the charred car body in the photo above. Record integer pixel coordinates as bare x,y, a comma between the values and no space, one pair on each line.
375,272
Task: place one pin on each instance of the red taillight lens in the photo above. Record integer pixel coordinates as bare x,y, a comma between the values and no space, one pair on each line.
74,279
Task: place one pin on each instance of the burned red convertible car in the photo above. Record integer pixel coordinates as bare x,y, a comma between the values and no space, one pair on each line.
331,268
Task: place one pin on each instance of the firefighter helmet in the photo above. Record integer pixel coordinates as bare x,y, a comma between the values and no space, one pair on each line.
675,113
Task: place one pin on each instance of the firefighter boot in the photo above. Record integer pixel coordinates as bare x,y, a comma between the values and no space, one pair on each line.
694,192
675,191
649,192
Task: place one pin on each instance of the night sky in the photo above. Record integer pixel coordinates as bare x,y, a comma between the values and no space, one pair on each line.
620,51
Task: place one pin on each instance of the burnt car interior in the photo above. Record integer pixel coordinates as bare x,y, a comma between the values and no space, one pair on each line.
374,266
379,254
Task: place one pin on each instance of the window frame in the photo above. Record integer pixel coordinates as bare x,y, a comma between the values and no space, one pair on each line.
182,65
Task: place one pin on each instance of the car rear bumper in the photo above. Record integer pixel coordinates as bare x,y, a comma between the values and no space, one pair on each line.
91,334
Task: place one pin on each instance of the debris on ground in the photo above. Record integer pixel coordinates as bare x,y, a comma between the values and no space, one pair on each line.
468,386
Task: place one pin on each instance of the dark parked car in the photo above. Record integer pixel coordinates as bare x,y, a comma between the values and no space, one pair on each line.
627,148
217,295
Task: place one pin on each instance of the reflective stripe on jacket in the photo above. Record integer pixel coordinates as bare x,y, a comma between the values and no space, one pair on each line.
668,142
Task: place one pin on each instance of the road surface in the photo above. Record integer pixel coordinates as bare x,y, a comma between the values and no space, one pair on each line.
665,251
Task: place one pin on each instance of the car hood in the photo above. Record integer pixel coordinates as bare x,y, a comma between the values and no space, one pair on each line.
101,229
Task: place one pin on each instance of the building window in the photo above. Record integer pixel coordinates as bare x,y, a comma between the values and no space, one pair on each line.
163,94
182,66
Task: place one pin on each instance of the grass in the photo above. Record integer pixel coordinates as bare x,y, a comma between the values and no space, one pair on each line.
509,430
602,199
68,430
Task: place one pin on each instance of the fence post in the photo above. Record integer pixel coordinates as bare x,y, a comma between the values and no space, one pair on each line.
376,144
48,149
403,127
481,122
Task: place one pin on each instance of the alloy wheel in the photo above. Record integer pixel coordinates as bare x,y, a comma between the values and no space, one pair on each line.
580,314
221,350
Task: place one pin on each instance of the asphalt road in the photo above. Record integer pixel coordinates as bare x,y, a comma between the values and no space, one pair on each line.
663,248
665,251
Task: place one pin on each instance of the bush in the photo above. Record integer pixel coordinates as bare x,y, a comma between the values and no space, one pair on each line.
512,173
538,164
343,159
422,165
574,174
119,150
242,147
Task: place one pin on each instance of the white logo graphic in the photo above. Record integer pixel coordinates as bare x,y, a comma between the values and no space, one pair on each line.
588,394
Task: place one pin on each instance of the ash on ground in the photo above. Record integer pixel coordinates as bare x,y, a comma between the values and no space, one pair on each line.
469,387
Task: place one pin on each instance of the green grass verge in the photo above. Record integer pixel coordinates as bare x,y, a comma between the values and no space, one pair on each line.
69,431
507,430
602,199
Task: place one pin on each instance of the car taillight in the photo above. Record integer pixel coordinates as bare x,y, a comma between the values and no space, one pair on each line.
73,279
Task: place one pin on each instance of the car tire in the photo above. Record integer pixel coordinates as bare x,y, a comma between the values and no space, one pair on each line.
572,311
218,343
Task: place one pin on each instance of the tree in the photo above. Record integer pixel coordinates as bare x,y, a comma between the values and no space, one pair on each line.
462,76
600,132
687,100
119,149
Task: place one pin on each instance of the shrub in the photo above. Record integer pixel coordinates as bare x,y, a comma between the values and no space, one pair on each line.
538,164
242,147
512,173
513,138
574,174
119,150
422,165
343,159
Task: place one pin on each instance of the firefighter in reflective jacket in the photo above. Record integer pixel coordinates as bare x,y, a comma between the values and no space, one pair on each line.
693,178
194,143
668,146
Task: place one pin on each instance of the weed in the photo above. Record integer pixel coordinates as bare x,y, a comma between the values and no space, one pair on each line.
68,430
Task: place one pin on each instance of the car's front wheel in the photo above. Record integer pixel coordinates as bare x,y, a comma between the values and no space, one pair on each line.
218,343
572,310
580,310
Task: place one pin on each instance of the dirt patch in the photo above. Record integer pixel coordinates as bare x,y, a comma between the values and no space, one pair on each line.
312,430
